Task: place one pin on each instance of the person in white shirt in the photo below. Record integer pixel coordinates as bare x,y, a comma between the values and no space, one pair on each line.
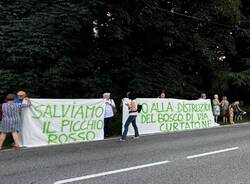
216,107
109,113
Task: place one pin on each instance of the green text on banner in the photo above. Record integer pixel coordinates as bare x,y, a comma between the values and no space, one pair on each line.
61,121
170,115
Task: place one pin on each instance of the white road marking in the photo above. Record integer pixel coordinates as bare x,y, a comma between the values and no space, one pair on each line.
213,152
111,172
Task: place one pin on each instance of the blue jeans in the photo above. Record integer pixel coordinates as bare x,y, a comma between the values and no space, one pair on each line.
131,119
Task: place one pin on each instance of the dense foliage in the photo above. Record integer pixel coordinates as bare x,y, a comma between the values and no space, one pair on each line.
80,49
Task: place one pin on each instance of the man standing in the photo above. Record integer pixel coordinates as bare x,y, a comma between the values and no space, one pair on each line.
203,96
21,95
21,100
109,113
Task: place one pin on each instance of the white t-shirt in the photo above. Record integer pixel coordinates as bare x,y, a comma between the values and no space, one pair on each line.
126,100
108,108
25,102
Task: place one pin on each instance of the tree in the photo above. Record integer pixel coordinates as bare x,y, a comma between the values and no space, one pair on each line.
78,49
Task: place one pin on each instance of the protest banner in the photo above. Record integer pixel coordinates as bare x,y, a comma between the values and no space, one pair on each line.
170,115
62,121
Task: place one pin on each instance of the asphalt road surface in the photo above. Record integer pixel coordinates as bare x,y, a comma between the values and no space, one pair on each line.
215,156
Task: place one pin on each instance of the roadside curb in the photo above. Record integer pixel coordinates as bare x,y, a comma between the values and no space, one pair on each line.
144,135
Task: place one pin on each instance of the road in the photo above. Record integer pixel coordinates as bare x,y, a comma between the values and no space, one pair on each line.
215,156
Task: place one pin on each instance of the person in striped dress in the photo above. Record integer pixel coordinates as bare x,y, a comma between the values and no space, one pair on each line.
11,120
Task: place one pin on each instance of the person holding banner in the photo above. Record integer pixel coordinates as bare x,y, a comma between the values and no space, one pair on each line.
203,96
132,106
11,120
109,112
21,96
162,95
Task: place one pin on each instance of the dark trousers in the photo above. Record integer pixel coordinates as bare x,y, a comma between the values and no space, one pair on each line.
107,122
131,119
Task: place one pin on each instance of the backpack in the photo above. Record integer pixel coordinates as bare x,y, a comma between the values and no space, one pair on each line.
139,108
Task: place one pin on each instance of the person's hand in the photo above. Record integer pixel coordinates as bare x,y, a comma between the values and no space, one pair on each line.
28,100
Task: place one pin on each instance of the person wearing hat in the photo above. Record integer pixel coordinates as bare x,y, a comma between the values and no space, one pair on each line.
109,112
11,120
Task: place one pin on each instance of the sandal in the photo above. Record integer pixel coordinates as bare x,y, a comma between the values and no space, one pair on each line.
16,147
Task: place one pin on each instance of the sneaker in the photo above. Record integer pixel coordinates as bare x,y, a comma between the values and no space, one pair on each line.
122,140
137,137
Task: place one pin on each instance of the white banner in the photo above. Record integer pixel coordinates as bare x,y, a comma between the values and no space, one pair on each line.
62,121
169,115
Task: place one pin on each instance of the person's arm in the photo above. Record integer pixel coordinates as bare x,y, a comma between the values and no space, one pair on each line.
28,103
113,103
109,102
238,107
125,102
222,103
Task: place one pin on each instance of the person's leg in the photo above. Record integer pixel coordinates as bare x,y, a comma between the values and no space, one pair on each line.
16,138
105,126
240,116
225,114
108,126
135,127
225,119
231,117
124,134
2,138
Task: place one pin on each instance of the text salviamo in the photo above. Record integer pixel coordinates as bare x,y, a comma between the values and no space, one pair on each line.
65,121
